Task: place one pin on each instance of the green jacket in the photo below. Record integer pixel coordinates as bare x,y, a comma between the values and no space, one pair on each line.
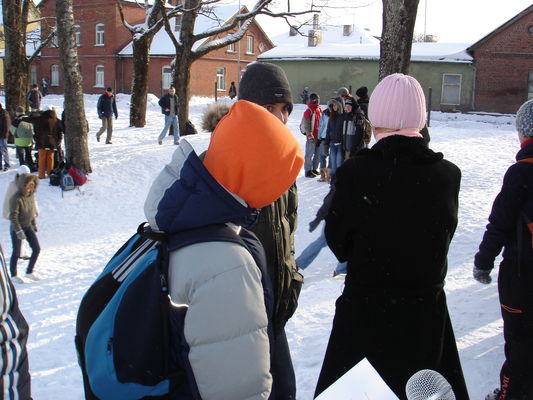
23,132
275,229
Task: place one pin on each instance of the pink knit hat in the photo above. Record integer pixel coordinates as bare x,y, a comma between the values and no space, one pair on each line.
398,103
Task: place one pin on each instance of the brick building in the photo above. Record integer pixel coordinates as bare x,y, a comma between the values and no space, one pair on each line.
503,62
105,51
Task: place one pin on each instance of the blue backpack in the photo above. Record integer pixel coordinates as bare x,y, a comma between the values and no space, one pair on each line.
66,182
129,338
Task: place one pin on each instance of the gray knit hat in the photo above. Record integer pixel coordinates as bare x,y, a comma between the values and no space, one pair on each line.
264,83
524,119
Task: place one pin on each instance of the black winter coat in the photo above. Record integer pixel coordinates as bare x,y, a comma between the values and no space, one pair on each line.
514,201
4,123
392,217
48,130
164,103
106,106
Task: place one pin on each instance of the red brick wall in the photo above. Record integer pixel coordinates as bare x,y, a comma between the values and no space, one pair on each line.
502,66
119,71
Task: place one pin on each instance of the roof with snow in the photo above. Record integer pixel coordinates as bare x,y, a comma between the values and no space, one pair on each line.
162,44
358,45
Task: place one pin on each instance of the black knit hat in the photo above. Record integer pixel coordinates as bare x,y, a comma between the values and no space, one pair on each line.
351,101
264,83
314,97
362,91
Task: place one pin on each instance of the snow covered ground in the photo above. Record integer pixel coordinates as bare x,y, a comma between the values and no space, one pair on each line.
80,232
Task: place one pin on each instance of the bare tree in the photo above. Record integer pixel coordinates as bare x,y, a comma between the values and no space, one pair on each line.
75,121
16,63
142,36
399,18
184,43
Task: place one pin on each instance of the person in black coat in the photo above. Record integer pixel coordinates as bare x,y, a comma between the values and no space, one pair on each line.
392,217
362,99
34,98
106,107
169,108
510,228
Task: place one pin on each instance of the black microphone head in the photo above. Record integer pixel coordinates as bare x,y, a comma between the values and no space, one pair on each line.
428,385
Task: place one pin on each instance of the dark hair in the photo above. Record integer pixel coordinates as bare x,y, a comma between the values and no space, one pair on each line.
109,89
34,85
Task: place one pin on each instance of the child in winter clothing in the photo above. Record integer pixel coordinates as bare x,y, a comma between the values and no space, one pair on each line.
12,189
22,214
510,229
22,131
312,145
392,217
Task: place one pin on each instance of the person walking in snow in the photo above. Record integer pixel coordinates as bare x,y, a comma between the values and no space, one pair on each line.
227,292
15,379
22,215
392,217
305,95
510,228
232,92
34,98
106,107
312,144
169,107
22,131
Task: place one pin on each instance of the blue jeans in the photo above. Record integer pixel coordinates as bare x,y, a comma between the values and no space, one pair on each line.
170,120
308,255
4,153
323,155
31,237
312,151
336,156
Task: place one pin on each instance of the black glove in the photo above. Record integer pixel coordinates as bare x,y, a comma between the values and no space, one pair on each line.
313,224
482,275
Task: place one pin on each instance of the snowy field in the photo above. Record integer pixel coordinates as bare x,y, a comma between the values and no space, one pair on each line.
80,232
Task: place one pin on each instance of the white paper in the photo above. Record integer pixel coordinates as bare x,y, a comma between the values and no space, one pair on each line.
362,382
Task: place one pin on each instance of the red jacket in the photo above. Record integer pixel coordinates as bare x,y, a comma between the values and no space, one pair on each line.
313,109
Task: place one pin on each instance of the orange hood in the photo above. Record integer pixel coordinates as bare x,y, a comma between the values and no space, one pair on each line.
253,155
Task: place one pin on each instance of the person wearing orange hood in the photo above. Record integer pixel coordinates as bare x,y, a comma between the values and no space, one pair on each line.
227,327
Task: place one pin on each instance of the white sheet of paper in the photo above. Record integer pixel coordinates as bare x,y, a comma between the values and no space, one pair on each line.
362,382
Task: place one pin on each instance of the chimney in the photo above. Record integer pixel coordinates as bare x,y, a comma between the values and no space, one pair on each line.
314,38
315,22
347,30
293,31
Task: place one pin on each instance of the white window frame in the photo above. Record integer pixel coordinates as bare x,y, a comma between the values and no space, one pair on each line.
446,86
77,35
231,48
221,79
530,85
166,77
100,35
54,75
99,76
177,22
249,44
33,73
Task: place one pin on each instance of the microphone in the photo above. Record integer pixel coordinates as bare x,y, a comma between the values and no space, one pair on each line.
428,385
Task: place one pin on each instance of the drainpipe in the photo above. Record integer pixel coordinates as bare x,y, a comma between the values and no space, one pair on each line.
474,87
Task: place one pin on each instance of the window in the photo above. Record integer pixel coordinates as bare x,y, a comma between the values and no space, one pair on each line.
261,47
33,73
530,86
54,73
530,29
99,77
99,35
55,41
451,89
231,48
166,77
77,34
250,44
177,22
221,78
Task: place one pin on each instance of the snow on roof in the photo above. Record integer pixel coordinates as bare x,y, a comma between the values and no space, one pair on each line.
359,45
162,45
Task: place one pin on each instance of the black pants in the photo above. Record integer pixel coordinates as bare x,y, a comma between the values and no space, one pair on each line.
24,155
516,298
31,237
283,379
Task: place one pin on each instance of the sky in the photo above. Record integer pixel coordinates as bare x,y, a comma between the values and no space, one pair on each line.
460,21
80,231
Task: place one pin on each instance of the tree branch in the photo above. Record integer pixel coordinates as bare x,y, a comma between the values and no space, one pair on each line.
43,44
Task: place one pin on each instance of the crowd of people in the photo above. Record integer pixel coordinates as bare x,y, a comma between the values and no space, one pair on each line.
390,215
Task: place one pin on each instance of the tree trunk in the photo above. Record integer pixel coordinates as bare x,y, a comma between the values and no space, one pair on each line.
399,18
76,129
16,68
141,68
181,81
